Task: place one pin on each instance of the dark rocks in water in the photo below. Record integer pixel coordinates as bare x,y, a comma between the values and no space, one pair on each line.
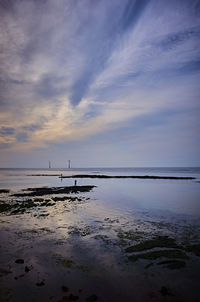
27,269
126,176
43,215
17,208
5,207
19,261
65,288
92,298
43,175
54,190
173,264
40,283
148,265
195,248
21,206
68,198
165,291
4,191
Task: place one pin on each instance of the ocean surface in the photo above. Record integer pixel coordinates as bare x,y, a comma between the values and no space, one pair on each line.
176,196
74,246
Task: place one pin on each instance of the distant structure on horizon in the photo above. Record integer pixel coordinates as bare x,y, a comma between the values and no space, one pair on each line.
49,164
69,164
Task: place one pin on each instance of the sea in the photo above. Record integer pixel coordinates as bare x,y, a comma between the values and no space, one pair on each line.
75,247
176,196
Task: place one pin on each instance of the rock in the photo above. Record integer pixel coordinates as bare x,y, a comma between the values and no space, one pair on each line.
40,283
4,191
20,261
27,269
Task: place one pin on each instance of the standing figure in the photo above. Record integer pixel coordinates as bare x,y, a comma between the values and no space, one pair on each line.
75,182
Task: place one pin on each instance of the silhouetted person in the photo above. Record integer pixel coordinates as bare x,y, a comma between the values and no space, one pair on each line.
75,182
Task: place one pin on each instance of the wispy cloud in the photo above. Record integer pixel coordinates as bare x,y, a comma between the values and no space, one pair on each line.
71,70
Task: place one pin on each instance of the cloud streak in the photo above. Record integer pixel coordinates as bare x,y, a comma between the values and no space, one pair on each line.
73,70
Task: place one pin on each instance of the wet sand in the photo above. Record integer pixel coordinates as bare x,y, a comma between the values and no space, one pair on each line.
64,246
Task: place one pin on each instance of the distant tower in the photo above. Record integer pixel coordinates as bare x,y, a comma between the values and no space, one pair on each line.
69,164
49,164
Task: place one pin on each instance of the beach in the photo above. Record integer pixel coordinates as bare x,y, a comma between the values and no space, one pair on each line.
114,238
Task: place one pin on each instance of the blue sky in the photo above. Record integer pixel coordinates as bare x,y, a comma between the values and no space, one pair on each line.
103,83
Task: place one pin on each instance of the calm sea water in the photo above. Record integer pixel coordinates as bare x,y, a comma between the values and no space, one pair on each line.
175,196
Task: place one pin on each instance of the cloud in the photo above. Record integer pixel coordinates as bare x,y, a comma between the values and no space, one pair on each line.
72,70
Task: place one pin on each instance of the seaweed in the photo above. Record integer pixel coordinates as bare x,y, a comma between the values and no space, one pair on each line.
158,254
80,231
160,241
130,235
67,263
4,272
104,238
54,190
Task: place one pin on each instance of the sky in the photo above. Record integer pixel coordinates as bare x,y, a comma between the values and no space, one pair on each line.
103,83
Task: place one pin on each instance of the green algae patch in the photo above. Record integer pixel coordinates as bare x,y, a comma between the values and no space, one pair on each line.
67,263
4,272
80,231
160,241
104,238
71,264
158,254
173,264
130,235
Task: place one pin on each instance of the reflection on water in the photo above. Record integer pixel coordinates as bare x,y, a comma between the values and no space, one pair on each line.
75,248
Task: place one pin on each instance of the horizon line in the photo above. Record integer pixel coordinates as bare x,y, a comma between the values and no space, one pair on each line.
113,167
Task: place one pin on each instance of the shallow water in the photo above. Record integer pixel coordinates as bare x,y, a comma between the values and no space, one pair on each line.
81,244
